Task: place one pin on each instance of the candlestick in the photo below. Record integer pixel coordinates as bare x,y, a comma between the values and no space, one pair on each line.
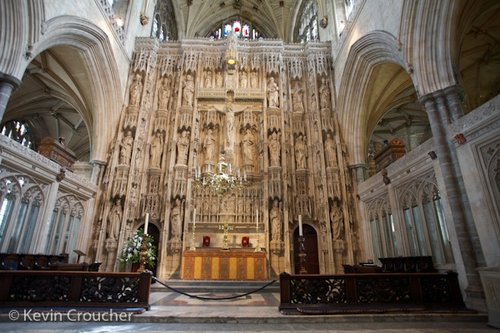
300,225
146,224
257,220
193,246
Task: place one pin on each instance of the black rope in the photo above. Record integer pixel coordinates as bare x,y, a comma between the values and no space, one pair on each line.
212,298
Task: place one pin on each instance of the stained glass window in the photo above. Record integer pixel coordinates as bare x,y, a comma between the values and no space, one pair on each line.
242,29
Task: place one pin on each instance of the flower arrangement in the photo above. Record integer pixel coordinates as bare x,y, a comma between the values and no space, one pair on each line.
131,251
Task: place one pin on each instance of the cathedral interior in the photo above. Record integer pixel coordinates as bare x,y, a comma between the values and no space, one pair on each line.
352,130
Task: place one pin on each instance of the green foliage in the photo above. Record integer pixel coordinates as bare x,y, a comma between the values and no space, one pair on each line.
131,251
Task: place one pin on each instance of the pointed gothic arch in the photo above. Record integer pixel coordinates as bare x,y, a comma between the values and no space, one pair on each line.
373,49
96,55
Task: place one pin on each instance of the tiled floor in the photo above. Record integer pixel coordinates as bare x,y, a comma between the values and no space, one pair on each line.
257,312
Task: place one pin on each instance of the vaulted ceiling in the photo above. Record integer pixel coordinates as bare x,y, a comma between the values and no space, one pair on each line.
273,18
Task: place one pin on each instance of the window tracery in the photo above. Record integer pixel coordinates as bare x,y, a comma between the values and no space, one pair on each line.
20,202
20,132
307,27
164,25
241,28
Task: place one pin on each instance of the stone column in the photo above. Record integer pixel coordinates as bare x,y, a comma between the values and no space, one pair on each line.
437,106
8,84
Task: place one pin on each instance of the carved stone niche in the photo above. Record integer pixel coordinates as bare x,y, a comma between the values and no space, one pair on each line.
56,151
392,151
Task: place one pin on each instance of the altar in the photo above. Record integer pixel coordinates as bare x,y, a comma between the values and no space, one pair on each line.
218,264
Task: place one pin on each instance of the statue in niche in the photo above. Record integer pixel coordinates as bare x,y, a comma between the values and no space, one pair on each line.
300,152
132,202
135,90
208,79
274,216
248,147
229,126
297,98
313,102
183,147
274,149
188,91
176,219
115,220
272,93
218,79
210,146
337,219
324,97
243,79
126,148
330,151
156,149
164,94
254,79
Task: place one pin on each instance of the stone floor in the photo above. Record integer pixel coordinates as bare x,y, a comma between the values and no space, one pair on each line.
257,312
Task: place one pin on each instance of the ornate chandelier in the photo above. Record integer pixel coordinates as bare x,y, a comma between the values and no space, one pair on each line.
222,180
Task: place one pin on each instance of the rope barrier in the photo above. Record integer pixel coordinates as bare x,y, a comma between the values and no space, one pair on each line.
204,298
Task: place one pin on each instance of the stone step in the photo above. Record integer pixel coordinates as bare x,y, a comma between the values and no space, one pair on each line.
268,315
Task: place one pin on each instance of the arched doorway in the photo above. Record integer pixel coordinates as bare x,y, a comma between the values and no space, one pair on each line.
154,232
311,249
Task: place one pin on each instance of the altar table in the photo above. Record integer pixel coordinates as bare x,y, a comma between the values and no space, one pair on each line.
218,264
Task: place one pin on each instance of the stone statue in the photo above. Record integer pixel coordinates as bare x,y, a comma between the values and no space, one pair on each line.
272,93
210,146
330,151
126,148
188,91
274,149
254,79
274,216
297,98
300,152
337,220
135,90
313,101
218,79
229,126
183,148
156,150
115,220
176,219
208,79
248,147
324,95
243,79
164,94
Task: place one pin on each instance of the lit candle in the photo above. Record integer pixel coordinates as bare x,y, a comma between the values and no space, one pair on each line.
194,217
300,225
146,224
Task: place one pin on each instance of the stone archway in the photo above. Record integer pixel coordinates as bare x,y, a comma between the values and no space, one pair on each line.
311,249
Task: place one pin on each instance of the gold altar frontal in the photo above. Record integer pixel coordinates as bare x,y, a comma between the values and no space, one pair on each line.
218,264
